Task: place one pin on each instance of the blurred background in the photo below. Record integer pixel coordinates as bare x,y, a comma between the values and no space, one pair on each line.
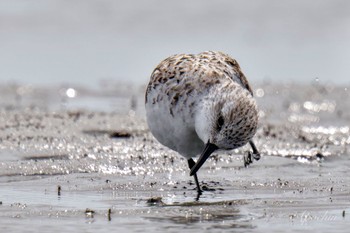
88,42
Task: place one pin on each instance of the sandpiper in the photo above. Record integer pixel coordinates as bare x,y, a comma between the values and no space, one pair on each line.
199,103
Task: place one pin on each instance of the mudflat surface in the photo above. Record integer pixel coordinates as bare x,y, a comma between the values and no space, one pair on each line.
84,160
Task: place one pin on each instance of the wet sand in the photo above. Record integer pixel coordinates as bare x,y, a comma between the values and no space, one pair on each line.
113,175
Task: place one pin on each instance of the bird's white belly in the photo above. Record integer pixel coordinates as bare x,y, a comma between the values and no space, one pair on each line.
173,132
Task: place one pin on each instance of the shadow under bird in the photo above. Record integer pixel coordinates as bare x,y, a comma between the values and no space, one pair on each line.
199,103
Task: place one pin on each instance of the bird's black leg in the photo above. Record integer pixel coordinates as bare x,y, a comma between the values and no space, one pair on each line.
248,159
191,163
256,155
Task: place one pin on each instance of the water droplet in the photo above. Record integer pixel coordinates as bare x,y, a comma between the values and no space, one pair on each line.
260,92
71,93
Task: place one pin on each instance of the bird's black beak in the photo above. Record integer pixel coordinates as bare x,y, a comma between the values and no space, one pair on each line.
209,148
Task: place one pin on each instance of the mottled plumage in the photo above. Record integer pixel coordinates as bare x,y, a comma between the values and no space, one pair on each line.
200,101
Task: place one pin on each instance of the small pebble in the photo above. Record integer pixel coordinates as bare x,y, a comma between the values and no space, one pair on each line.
89,213
155,201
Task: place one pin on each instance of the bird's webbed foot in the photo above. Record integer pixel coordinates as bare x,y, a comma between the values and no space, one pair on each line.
251,155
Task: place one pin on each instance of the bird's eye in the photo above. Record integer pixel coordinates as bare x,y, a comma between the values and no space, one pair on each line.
220,122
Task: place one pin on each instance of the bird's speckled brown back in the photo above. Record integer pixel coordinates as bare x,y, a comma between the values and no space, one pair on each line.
176,68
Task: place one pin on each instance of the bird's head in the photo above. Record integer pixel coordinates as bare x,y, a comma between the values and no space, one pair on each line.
225,123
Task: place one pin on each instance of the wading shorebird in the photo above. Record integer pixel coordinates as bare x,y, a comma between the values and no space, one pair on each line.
197,104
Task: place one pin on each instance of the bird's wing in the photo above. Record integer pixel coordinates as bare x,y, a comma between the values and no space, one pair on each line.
229,66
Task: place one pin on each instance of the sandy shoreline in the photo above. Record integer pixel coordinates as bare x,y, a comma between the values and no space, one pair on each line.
108,160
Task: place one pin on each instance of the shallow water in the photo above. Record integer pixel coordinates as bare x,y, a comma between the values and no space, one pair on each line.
96,146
